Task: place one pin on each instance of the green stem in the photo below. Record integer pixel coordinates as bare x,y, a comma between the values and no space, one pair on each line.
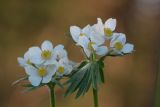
95,96
52,95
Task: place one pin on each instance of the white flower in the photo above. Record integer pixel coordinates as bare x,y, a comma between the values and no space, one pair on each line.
24,61
40,74
118,44
43,55
59,53
106,29
88,40
77,32
86,33
91,47
42,65
63,67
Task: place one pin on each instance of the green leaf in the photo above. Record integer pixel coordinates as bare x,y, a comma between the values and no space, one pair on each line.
101,66
83,84
76,79
93,74
86,75
78,66
27,85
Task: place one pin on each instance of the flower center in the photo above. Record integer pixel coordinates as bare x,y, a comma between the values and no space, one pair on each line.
46,54
28,62
90,45
42,72
108,32
82,34
118,45
61,69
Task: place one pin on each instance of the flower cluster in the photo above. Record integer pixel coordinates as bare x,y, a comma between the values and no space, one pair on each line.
45,64
48,64
93,39
99,40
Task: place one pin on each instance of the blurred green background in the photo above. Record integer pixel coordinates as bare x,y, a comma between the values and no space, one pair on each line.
131,80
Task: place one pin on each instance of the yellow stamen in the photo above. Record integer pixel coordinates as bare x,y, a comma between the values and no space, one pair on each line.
61,69
118,45
90,45
82,34
28,62
108,32
42,72
46,54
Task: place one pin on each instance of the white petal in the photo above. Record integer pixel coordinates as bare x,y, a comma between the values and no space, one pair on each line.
99,27
99,21
95,46
75,32
27,56
51,69
58,47
112,42
87,52
47,45
59,64
102,50
128,48
35,80
47,79
68,69
83,41
35,55
50,61
115,36
87,30
59,52
21,61
63,61
34,51
110,23
122,38
99,40
72,63
30,70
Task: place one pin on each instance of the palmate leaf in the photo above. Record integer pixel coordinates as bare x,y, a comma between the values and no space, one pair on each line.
86,75
85,84
76,79
79,66
100,67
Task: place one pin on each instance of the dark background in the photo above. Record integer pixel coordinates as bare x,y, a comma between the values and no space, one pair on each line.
130,80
